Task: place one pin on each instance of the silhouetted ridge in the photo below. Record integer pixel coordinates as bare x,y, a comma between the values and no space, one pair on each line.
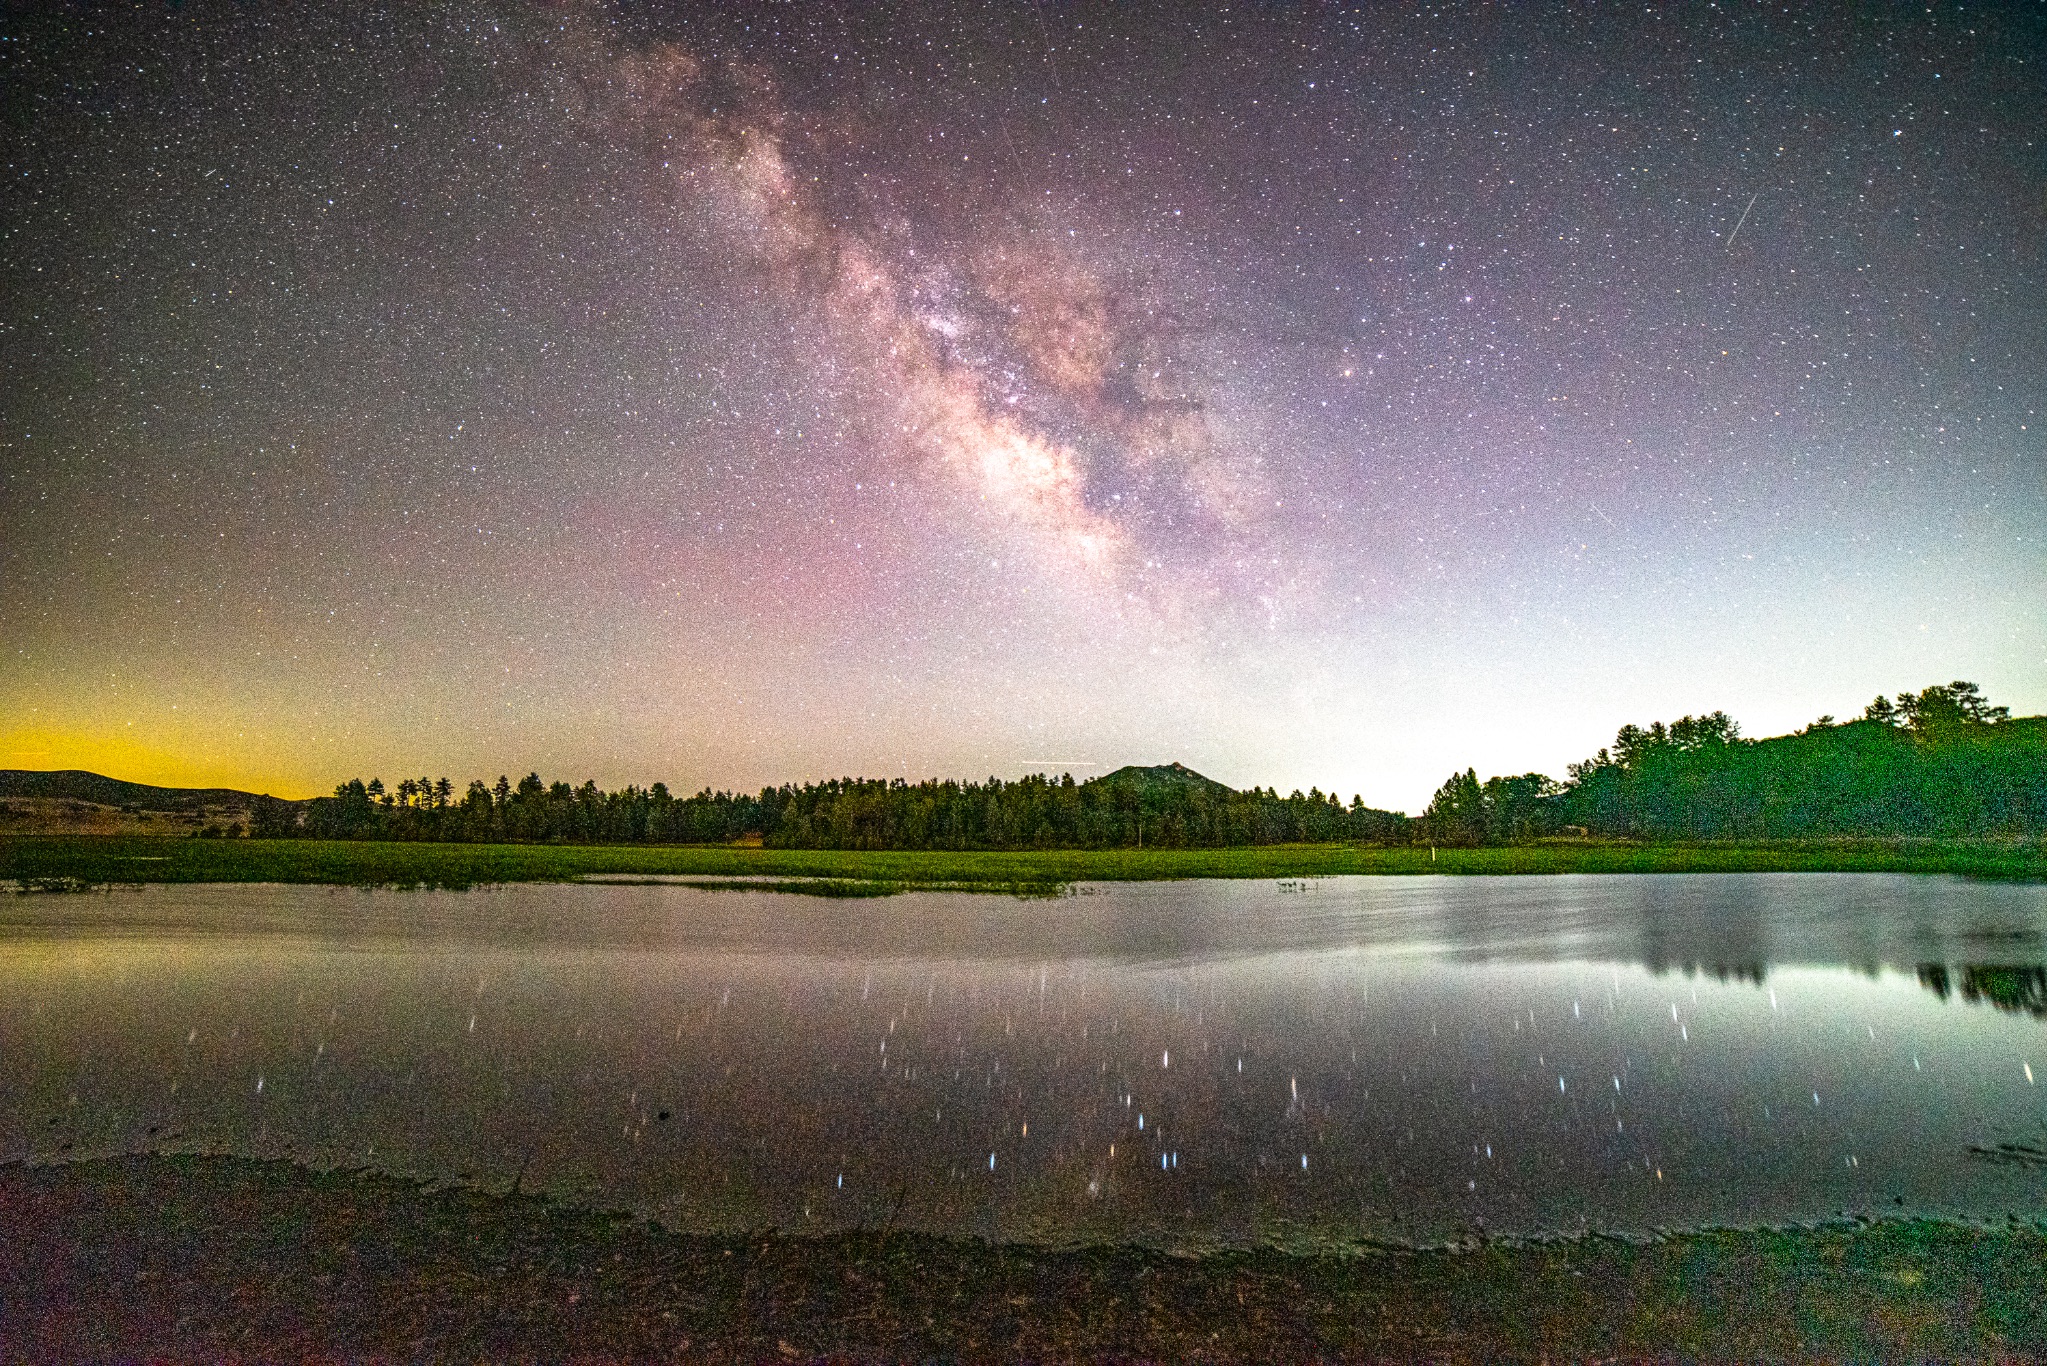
75,784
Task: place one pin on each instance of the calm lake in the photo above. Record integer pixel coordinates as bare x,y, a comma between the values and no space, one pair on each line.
1187,1064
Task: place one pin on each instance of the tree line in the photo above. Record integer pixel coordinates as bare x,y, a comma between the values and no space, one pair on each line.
1940,762
1036,812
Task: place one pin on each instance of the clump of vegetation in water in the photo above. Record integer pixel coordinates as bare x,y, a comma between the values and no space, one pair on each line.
56,886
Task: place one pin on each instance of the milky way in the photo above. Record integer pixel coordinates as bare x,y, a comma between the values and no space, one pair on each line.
969,359
649,393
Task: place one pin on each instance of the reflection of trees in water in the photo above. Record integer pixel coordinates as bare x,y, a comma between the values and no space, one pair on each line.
1755,973
1752,973
1682,926
2007,986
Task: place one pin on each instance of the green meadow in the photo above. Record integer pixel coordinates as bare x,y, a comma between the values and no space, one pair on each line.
60,862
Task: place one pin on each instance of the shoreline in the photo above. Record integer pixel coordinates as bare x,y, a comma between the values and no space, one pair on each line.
188,1258
61,863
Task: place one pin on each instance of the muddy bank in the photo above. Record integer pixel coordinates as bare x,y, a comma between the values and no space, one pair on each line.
202,1258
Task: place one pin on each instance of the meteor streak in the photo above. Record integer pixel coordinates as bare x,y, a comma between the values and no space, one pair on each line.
1743,219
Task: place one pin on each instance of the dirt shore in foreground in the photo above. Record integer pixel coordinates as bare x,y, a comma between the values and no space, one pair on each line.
210,1258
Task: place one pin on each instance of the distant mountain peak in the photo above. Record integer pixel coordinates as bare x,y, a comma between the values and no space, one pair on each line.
1161,775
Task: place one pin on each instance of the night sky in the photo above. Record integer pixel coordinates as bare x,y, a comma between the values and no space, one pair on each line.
1307,394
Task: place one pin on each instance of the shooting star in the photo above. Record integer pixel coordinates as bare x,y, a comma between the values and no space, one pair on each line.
1743,219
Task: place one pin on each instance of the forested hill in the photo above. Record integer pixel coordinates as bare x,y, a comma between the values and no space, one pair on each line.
1161,775
1941,762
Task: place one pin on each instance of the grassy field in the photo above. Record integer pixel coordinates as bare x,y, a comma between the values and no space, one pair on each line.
56,862
216,1258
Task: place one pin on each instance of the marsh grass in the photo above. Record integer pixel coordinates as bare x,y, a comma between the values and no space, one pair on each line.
60,862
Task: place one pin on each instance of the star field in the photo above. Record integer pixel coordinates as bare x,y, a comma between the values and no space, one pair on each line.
745,395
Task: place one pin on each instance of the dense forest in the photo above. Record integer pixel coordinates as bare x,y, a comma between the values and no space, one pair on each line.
1169,806
1939,762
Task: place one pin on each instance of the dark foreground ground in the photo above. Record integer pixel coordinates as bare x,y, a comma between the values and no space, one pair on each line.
186,1258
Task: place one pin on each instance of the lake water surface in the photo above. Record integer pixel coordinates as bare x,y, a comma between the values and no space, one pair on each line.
1187,1064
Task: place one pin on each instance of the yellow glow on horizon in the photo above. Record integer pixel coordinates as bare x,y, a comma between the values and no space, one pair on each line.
119,754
